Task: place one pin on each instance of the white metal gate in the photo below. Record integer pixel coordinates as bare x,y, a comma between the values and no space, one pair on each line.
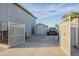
16,34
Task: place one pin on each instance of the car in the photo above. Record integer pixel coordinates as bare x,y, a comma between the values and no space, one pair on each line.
52,31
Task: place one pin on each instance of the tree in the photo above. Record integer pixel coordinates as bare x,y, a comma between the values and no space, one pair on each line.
72,14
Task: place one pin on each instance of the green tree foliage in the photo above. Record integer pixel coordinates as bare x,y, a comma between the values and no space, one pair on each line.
72,14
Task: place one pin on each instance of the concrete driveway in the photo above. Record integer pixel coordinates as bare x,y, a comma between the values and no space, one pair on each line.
37,45
43,51
74,51
40,41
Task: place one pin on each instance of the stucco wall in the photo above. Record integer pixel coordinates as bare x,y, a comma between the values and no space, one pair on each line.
13,13
69,31
64,34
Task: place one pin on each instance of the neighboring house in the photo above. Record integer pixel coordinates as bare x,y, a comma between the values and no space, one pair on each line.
69,31
40,29
15,21
17,13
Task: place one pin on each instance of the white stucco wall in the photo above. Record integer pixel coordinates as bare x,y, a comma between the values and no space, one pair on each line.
64,36
13,13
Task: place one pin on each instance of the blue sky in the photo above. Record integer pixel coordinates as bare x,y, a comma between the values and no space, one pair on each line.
50,13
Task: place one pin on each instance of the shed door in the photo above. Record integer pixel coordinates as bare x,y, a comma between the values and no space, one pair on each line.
16,34
74,36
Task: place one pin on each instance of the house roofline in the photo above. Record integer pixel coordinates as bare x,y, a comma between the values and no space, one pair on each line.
25,10
42,24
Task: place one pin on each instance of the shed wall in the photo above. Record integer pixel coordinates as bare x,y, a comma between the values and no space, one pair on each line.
40,29
64,34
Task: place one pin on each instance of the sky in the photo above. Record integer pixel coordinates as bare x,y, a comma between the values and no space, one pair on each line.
50,14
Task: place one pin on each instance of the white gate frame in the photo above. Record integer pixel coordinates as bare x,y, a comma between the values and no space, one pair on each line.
9,34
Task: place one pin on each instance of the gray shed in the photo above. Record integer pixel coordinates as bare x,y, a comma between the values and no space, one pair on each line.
40,29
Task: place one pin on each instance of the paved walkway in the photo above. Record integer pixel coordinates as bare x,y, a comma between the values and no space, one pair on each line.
37,46
44,51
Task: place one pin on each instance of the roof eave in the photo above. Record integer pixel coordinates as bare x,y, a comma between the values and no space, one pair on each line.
25,10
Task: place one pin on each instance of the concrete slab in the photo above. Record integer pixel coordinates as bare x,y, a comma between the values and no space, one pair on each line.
18,52
36,46
51,51
44,51
3,47
74,51
40,41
